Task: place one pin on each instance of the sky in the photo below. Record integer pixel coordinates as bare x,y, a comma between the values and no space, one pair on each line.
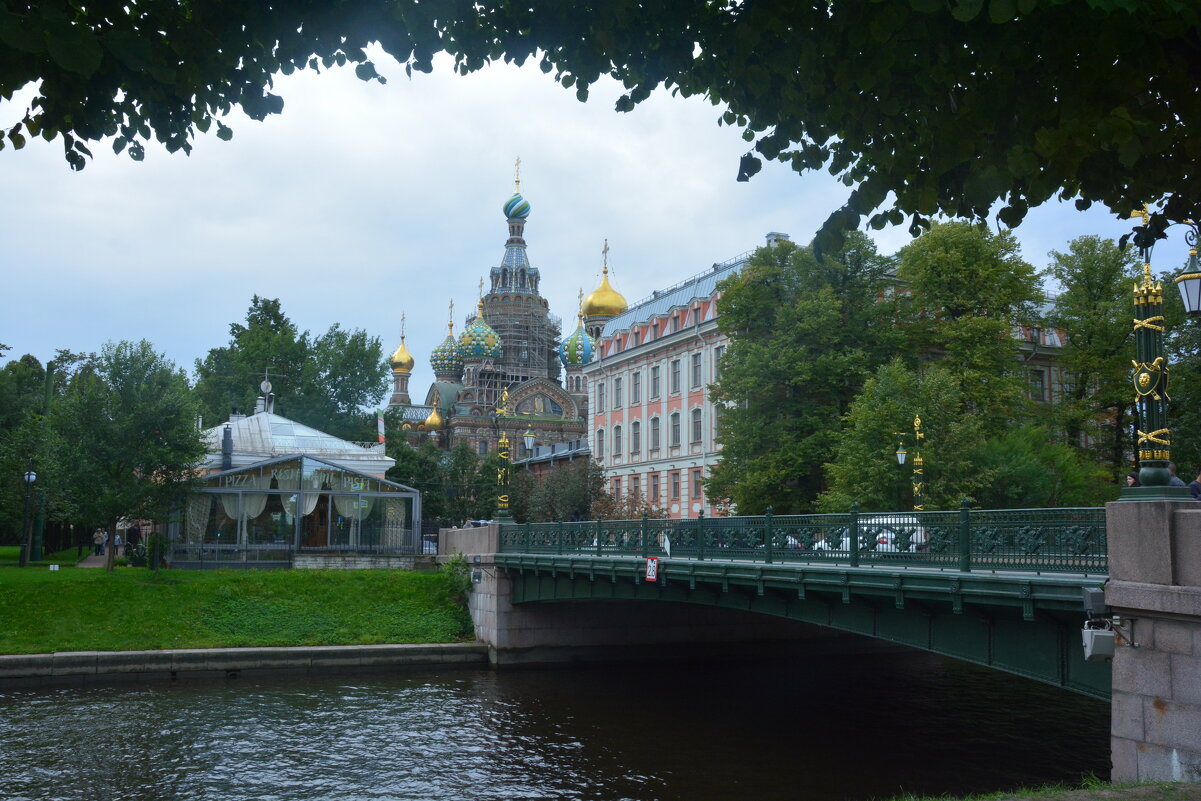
363,202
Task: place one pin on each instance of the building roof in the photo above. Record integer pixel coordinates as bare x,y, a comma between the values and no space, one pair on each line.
266,435
702,285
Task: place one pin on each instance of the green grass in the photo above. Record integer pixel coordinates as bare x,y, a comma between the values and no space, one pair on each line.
10,555
42,611
1089,786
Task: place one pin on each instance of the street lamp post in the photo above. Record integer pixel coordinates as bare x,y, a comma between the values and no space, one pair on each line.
1150,373
26,529
502,450
528,439
919,466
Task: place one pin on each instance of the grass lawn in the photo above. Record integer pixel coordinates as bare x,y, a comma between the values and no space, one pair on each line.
11,555
73,609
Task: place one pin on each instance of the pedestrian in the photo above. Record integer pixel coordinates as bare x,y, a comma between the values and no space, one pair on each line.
117,543
103,541
97,542
1132,480
1175,480
1194,487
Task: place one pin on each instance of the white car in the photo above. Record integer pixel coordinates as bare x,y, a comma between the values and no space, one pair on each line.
888,531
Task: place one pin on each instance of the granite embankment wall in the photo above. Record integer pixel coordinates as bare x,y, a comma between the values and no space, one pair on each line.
103,667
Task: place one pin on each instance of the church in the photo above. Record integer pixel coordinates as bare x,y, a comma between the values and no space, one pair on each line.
503,374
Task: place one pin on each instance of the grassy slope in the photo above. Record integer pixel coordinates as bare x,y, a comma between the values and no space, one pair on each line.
83,610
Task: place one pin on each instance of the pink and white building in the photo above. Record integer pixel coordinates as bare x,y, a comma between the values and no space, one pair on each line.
652,423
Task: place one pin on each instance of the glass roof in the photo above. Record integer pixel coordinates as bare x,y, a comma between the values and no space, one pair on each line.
292,473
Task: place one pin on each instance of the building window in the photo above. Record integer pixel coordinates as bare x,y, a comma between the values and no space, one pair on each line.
635,486
617,488
636,388
600,443
600,396
696,425
635,437
616,441
654,434
696,371
675,486
675,430
718,352
617,393
637,336
483,446
653,493
675,376
655,382
1038,385
697,487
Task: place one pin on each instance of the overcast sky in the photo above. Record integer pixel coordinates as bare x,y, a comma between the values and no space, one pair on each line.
362,202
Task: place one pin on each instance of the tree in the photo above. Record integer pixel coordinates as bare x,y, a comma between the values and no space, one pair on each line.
126,434
804,334
420,468
865,470
324,382
1094,310
926,107
967,290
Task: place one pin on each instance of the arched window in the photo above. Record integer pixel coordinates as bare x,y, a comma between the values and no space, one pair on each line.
635,437
675,429
654,443
696,426
617,441
600,443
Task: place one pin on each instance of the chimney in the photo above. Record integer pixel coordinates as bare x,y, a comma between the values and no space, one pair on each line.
260,405
234,416
227,448
775,238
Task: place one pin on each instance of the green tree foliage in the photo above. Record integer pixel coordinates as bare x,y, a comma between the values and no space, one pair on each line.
323,381
804,334
967,290
865,469
126,435
571,491
1094,309
1183,344
926,107
1027,468
420,468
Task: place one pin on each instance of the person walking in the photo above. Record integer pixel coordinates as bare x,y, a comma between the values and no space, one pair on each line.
97,542
1175,480
1194,487
118,543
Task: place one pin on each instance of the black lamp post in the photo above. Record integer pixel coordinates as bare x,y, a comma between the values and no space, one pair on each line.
26,529
1150,373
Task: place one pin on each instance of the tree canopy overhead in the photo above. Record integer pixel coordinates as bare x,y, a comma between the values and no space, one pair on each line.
925,107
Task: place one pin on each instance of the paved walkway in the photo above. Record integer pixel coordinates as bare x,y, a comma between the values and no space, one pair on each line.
92,560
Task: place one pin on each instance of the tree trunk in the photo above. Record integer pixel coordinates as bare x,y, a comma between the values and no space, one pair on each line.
110,549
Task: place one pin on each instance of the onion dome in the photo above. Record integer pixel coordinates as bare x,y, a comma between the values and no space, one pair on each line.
577,349
605,301
446,359
479,340
402,361
434,420
517,207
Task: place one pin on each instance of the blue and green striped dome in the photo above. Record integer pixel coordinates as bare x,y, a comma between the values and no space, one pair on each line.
479,340
446,359
577,349
517,206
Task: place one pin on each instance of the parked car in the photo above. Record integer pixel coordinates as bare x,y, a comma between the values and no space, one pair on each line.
888,531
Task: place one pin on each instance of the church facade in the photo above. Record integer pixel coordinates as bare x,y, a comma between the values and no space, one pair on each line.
503,374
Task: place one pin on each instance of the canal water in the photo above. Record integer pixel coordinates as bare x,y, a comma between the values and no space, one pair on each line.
828,729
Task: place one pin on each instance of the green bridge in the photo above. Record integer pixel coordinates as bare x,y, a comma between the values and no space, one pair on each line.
1002,588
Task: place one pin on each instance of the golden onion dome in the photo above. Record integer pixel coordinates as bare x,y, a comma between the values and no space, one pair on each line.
402,361
605,301
434,420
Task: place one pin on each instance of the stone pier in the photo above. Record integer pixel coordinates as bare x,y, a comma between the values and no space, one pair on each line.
1154,587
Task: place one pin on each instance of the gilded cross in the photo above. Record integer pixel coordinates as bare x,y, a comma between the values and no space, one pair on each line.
402,327
517,175
605,253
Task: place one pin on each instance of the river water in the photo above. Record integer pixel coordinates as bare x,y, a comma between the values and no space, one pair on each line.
828,729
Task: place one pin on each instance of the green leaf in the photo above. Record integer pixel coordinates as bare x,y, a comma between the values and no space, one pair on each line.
73,47
967,10
224,132
16,34
748,166
1000,11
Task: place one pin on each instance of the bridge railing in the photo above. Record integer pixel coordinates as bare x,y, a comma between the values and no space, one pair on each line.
1068,540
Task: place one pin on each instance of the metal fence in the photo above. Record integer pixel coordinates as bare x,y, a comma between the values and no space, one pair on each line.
1042,540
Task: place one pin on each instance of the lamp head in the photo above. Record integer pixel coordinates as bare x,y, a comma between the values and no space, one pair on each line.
1189,284
31,477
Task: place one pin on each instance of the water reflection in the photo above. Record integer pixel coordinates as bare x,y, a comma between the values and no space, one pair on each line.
834,728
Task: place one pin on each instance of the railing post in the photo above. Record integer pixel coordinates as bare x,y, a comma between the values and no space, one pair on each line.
527,536
965,536
700,536
558,535
598,538
644,551
768,543
853,539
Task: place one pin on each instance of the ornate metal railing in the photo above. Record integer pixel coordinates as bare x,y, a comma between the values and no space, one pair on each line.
998,540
